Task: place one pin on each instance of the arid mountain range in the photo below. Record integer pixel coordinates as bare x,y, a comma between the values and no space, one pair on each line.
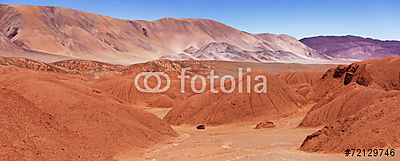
59,33
353,47
67,90
52,34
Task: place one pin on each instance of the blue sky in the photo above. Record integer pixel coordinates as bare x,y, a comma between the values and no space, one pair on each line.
302,18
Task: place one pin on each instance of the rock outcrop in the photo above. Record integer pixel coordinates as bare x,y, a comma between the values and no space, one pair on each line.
265,124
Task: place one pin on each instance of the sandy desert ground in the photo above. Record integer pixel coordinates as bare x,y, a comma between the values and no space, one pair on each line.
317,111
239,142
67,91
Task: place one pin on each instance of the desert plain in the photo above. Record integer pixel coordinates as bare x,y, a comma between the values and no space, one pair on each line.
68,92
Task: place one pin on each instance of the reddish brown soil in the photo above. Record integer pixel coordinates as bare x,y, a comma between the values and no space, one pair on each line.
98,116
376,73
110,126
376,126
27,133
123,89
30,64
301,81
301,77
224,108
345,102
344,90
359,104
163,65
86,66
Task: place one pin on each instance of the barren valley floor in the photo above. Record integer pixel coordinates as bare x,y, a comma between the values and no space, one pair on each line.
241,142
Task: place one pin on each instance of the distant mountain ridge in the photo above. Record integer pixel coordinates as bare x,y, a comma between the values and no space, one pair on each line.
353,47
52,34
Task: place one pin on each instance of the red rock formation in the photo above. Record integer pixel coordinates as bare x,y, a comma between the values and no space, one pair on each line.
266,124
375,126
359,104
345,102
85,66
30,64
375,73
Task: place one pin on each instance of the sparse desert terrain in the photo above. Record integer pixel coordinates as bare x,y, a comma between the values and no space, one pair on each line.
316,113
70,90
241,142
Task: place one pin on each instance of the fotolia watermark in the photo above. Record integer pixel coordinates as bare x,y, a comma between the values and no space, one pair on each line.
155,89
259,87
